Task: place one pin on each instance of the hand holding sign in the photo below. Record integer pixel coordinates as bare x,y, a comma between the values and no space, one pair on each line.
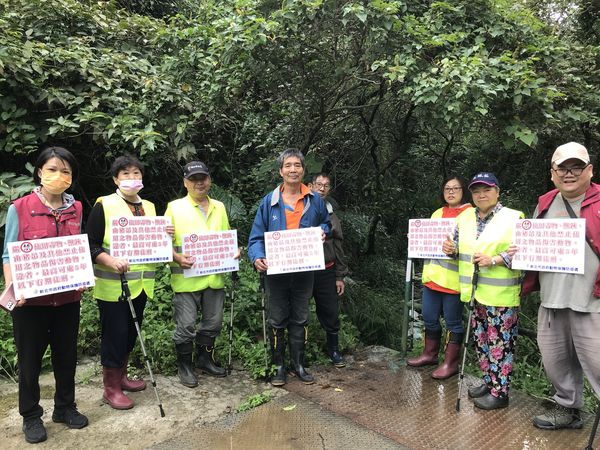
448,247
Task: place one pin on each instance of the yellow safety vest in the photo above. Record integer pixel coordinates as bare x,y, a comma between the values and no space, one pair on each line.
187,218
140,276
443,272
497,285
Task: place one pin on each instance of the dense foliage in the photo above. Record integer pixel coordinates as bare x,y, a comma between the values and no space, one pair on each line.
388,96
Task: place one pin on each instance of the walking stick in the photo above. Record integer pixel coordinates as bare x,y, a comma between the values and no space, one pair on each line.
126,296
594,429
264,320
234,278
464,359
407,293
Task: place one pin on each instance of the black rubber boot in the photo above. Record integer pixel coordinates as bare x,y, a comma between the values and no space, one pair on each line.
297,336
333,350
278,355
205,357
185,369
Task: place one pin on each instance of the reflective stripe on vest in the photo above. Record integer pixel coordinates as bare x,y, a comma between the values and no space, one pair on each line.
140,277
187,218
129,276
497,285
443,272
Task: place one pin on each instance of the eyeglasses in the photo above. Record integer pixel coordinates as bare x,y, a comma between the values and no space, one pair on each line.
575,171
322,185
452,189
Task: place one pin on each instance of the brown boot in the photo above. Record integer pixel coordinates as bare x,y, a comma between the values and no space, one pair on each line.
130,385
430,352
450,365
113,395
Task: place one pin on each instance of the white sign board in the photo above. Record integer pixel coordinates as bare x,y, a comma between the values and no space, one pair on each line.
48,266
299,250
426,237
141,240
213,252
550,245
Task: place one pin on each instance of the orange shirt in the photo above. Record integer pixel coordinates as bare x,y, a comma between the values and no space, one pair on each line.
294,212
447,213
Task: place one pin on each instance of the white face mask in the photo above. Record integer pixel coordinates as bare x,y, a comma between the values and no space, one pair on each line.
130,187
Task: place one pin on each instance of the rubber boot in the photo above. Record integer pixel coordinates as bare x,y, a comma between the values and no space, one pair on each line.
185,369
297,336
450,365
430,352
205,357
130,385
113,395
278,355
332,350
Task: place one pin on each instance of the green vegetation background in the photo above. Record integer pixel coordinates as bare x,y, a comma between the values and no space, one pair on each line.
387,96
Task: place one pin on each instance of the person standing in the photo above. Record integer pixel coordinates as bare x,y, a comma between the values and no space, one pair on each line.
329,283
118,332
291,205
196,213
52,319
483,241
569,314
441,292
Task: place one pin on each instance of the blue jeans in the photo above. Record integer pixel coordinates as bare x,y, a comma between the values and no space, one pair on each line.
435,304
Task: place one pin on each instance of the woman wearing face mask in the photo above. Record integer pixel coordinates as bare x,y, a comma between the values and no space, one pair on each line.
51,319
441,296
117,326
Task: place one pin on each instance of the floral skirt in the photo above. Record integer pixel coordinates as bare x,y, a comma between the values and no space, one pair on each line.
495,330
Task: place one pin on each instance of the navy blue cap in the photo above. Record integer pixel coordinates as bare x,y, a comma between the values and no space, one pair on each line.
487,178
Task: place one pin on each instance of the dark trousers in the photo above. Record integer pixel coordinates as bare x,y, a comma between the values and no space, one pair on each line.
118,330
288,295
436,304
327,300
34,328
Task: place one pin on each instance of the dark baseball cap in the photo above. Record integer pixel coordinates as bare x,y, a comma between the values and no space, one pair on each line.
487,178
195,167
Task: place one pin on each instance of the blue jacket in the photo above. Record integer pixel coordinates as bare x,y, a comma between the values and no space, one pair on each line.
270,216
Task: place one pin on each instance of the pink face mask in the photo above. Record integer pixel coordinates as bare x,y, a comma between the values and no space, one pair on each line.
130,187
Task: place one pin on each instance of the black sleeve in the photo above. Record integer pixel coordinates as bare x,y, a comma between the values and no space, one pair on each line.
95,230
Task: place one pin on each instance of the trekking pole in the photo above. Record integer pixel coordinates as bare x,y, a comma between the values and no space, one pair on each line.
126,296
594,429
464,359
264,320
234,278
407,295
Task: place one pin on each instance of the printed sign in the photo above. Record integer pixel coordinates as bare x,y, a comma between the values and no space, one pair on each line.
141,240
48,266
213,252
550,245
426,237
7,299
298,250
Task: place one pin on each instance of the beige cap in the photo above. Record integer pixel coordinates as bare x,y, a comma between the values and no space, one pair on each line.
571,150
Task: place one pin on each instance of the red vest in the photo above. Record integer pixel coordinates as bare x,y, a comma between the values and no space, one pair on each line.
590,211
36,222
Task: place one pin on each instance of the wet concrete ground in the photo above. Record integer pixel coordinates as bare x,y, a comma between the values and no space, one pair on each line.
373,403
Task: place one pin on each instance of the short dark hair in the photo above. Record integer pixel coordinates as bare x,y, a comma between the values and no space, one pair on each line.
321,174
55,152
123,162
288,153
466,194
